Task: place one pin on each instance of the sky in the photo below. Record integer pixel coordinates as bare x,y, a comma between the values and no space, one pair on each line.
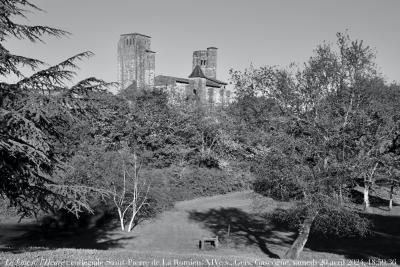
258,32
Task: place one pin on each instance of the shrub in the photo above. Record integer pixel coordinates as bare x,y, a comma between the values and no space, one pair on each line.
274,186
177,183
280,175
341,223
330,222
102,215
6,210
199,182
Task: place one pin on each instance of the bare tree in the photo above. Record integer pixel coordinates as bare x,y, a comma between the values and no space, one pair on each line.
131,195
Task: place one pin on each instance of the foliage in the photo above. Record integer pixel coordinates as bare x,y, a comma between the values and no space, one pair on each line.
32,113
96,166
329,131
101,215
325,134
165,134
6,210
331,222
192,182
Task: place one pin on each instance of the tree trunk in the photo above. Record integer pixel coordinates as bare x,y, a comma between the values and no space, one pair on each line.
340,196
298,245
121,219
134,211
367,206
391,197
367,186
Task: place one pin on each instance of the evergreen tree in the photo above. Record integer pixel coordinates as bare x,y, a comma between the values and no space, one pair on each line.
33,113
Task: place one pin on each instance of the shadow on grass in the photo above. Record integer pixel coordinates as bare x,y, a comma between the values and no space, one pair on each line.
383,243
36,237
239,228
253,229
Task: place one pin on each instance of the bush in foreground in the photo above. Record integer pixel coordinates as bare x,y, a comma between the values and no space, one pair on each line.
330,222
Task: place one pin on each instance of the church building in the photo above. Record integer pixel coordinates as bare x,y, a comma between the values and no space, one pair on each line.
136,70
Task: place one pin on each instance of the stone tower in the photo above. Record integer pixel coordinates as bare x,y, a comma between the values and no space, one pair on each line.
207,60
136,61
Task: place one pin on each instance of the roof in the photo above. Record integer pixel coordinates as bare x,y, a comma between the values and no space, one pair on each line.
217,81
162,80
198,73
135,33
166,80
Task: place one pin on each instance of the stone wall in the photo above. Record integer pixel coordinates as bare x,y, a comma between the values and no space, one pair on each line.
211,64
135,60
200,59
207,60
198,87
149,69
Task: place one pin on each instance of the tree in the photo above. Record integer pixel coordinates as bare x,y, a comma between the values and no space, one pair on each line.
130,195
32,113
311,152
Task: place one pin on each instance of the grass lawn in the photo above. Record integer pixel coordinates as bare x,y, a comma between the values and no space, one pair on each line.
171,239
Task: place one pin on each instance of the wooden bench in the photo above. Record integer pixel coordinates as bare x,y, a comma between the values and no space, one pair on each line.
211,240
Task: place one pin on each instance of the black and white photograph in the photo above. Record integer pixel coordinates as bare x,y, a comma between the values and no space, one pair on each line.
196,133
